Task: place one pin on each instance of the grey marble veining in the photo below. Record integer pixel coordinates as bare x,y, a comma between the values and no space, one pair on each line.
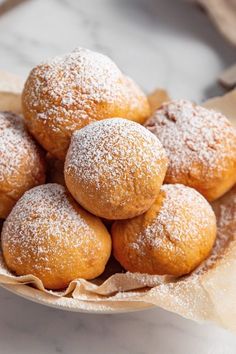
160,43
26,327
166,43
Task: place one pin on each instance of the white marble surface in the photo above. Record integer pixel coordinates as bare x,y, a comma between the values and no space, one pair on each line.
164,43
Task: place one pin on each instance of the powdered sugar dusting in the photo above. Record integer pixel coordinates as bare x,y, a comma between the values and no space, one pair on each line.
41,226
180,203
119,149
68,88
16,147
197,140
186,295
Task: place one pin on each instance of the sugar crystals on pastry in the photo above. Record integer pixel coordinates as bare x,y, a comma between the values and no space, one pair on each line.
200,144
71,91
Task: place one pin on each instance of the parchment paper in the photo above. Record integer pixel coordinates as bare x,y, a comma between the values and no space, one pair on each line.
10,92
208,294
156,98
223,14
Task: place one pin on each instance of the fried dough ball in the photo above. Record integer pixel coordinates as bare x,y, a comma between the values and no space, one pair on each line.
22,163
200,144
50,236
71,91
173,237
115,168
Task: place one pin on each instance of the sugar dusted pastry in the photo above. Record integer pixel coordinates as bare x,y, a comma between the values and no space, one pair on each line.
21,162
48,235
173,237
200,144
114,168
71,91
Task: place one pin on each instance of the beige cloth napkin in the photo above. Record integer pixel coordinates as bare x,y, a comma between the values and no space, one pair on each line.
223,14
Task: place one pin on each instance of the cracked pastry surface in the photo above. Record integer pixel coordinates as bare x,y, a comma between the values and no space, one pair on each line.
200,144
115,168
68,92
22,163
173,237
49,235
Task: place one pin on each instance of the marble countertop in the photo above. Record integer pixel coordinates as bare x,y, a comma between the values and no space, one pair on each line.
168,44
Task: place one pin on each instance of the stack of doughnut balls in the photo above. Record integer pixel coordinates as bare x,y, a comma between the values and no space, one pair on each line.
83,115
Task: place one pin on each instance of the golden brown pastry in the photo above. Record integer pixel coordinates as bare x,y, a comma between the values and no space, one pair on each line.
50,236
22,164
157,98
114,168
69,92
200,144
173,237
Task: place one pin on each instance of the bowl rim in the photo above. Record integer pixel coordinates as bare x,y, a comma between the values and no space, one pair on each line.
70,304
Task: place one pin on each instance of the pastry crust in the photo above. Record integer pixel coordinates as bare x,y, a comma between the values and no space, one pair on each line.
22,163
69,92
48,235
200,144
173,237
114,168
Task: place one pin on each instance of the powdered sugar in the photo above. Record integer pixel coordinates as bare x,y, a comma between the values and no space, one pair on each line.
183,216
42,225
119,149
186,295
70,86
93,73
197,140
16,147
